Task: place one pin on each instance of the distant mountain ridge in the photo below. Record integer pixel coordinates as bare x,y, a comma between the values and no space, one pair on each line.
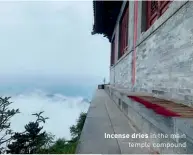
54,96
85,100
50,91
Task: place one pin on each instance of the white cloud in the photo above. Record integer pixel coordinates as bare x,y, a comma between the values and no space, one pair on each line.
62,111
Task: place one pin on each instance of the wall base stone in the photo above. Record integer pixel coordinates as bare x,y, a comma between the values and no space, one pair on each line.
147,121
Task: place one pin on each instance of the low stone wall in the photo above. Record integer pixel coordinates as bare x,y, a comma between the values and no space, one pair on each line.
147,121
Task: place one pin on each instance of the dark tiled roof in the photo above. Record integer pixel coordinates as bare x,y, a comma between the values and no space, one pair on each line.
105,16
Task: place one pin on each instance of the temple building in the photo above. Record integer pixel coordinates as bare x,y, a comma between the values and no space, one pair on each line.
151,72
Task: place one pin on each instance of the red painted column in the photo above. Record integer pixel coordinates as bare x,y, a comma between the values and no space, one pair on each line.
134,41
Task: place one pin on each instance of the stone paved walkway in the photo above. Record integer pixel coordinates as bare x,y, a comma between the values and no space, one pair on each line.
105,117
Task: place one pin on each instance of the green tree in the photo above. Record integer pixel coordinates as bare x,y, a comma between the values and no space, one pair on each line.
32,139
5,115
58,147
62,146
76,130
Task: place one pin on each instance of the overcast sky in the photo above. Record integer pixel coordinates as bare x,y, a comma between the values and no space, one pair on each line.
51,39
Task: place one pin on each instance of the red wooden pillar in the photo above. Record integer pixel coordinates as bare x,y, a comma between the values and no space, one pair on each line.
112,52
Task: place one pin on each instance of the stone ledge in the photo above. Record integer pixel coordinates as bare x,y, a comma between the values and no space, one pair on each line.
179,98
149,124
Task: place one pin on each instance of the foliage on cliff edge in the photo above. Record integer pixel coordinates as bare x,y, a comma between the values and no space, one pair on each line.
34,139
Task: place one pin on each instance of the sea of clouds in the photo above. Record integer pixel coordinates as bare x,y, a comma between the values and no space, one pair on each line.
63,111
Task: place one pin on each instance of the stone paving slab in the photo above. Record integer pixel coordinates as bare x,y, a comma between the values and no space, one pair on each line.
97,123
105,117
